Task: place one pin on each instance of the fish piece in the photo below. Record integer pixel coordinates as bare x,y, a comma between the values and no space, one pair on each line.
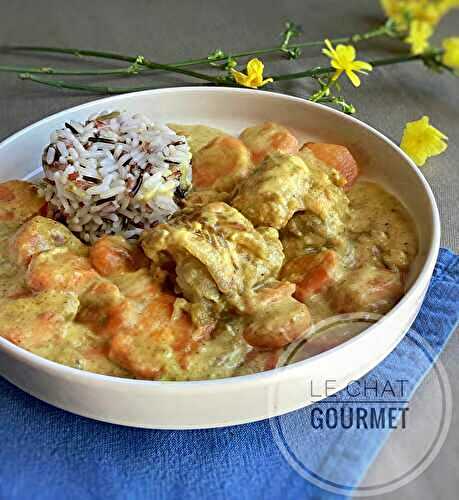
324,220
274,191
217,255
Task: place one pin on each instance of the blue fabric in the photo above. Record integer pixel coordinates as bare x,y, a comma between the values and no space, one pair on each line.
47,453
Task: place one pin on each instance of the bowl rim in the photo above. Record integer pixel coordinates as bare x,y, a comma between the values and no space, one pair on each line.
265,377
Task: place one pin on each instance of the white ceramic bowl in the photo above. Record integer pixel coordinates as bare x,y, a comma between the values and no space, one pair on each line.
186,405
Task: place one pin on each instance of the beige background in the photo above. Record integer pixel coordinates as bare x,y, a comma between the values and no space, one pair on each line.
168,30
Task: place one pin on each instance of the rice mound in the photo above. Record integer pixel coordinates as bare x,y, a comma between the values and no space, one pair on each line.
116,173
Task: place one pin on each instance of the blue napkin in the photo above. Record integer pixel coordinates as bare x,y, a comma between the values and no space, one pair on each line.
47,453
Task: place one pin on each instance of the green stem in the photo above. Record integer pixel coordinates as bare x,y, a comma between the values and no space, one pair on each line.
73,52
140,61
375,63
380,31
69,72
166,67
97,89
312,73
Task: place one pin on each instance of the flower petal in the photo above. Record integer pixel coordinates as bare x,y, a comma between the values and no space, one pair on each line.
329,46
265,81
239,77
342,59
255,67
420,32
430,11
346,52
362,66
337,74
451,55
353,77
421,141
328,53
335,64
254,76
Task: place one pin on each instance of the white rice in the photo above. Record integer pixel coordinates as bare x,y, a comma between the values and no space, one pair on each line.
116,173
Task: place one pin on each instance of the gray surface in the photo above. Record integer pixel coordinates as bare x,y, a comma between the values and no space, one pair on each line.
171,30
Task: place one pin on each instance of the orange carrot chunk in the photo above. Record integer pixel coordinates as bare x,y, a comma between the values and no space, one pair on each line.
311,273
338,157
112,255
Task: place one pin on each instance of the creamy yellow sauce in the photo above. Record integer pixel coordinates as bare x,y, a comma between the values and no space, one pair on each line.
223,287
381,227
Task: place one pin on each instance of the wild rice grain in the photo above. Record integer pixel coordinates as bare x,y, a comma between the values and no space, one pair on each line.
115,163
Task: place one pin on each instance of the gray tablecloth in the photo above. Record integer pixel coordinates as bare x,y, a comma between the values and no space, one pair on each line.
168,30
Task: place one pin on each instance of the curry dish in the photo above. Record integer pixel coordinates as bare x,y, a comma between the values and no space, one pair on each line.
272,237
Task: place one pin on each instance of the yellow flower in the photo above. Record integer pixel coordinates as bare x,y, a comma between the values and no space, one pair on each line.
451,4
254,76
420,32
421,141
390,7
343,60
430,11
451,55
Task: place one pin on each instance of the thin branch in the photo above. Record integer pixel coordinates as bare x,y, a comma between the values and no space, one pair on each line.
96,89
45,70
375,63
378,32
138,60
312,73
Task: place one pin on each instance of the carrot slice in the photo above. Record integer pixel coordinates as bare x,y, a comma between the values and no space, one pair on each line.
338,157
221,164
369,289
267,138
6,194
311,273
112,255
